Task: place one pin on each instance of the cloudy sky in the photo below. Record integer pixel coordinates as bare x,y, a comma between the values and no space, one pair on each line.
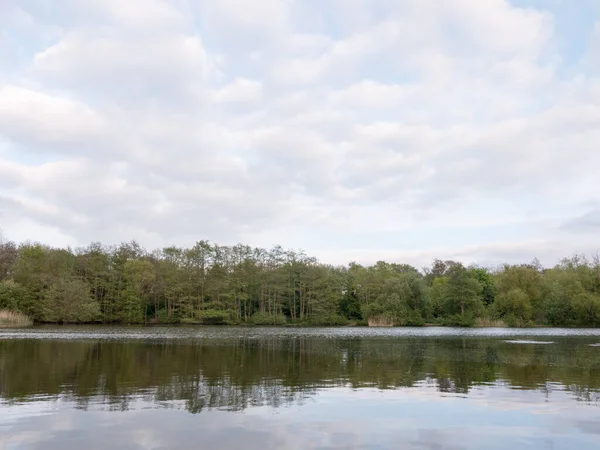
353,129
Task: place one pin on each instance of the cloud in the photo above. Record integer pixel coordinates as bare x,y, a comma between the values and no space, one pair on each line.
27,116
330,420
241,90
464,130
586,223
126,66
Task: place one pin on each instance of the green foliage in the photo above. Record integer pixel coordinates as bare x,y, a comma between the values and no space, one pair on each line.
350,305
391,292
467,319
214,284
214,317
15,297
331,319
412,319
437,297
514,321
486,279
514,306
559,290
586,306
462,293
268,319
69,301
163,316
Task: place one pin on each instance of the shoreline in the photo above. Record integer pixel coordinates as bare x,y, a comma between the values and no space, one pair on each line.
289,325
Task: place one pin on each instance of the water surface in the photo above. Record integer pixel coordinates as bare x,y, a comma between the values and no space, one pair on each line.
314,388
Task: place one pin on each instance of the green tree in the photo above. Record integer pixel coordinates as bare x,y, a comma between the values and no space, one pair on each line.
486,279
140,277
463,292
437,297
586,306
528,278
69,301
515,306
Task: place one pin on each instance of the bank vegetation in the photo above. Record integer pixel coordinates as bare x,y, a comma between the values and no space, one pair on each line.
214,284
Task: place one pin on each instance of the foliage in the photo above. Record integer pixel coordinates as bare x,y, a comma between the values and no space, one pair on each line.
396,292
559,291
514,304
486,279
268,319
461,293
213,284
437,297
15,297
466,319
331,319
214,317
69,301
350,304
586,306
164,316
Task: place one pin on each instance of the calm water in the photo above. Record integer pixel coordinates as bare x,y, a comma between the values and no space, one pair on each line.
330,388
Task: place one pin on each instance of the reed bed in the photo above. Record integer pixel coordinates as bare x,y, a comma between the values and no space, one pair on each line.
490,323
14,319
380,321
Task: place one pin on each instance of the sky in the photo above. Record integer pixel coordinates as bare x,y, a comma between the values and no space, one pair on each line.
356,130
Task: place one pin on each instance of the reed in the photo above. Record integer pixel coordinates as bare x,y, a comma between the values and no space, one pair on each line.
490,323
380,321
14,319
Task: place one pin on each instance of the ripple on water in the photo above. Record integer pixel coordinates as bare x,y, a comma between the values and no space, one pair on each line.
517,336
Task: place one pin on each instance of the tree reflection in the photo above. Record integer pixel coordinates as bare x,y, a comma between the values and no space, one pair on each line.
278,371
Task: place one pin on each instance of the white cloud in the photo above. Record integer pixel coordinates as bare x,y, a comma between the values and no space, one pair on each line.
123,66
320,125
263,14
141,14
241,90
39,117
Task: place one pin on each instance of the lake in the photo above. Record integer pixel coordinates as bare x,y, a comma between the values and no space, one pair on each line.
90,387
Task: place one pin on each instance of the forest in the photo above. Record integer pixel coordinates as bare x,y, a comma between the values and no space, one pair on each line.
214,284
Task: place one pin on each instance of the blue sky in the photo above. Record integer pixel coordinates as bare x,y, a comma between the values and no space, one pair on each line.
355,130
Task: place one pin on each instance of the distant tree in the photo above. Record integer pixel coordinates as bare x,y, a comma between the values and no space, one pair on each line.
515,306
210,283
486,279
463,291
586,306
69,301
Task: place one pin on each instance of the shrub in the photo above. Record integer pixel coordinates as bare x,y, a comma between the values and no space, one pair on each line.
214,317
268,319
328,320
459,320
514,303
413,319
162,316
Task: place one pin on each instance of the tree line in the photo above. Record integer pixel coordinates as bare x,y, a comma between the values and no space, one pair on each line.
215,284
